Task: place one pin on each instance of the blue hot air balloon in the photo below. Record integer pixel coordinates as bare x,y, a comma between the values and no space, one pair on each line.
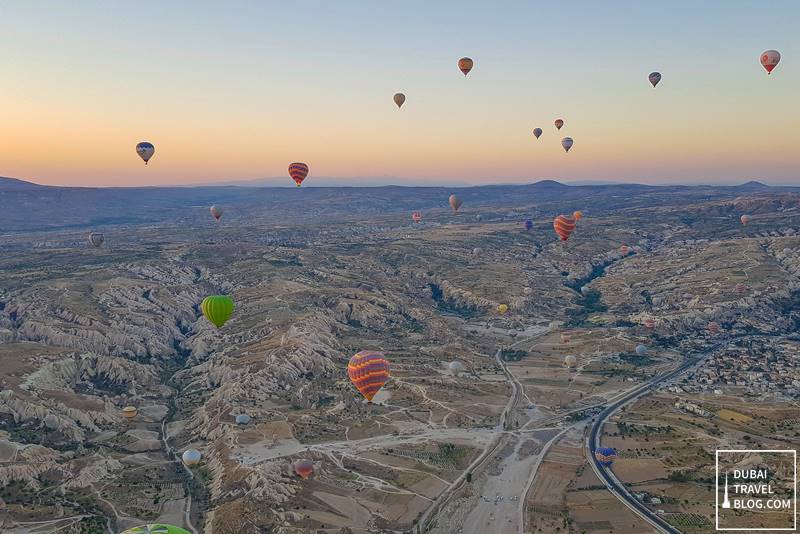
528,224
606,456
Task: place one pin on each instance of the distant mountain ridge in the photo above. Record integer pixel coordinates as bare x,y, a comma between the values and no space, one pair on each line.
32,207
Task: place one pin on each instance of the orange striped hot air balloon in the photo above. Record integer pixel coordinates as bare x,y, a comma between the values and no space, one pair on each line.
416,216
564,225
713,327
624,250
298,172
368,371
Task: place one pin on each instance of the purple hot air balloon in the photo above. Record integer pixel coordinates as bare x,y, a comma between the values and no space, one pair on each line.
528,224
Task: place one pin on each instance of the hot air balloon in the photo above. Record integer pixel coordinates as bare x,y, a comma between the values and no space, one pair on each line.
537,132
477,251
191,457
745,219
298,172
502,309
479,217
216,212
577,215
641,350
368,371
242,419
570,361
564,226
303,468
713,327
559,123
567,143
456,367
217,309
96,239
145,151
465,65
605,456
649,323
416,216
624,250
741,288
554,325
528,224
770,59
566,337
156,528
455,202
527,291
129,412
654,78
399,99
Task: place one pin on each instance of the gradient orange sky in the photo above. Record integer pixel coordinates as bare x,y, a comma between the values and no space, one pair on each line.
239,93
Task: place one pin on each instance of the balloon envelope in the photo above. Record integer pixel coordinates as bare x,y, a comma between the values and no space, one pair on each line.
624,250
368,371
745,219
502,309
399,99
416,216
455,202
570,361
477,251
649,323
96,239
465,65
145,151
242,419
605,456
528,224
298,171
577,215
770,59
559,123
191,457
566,337
564,226
713,327
216,212
217,309
456,367
129,412
567,143
537,132
654,78
641,350
303,468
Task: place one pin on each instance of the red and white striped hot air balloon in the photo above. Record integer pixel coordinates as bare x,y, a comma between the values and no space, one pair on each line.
624,250
216,212
740,288
416,216
770,59
713,327
564,225
298,171
455,202
649,323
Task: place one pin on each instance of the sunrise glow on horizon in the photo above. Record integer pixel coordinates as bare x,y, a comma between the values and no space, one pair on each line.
237,94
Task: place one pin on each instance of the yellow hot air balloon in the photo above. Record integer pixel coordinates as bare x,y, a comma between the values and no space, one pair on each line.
129,412
578,215
217,309
502,309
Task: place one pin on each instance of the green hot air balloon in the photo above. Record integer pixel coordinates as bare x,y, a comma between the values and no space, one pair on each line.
156,528
217,309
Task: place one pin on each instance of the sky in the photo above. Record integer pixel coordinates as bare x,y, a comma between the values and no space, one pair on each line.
236,91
